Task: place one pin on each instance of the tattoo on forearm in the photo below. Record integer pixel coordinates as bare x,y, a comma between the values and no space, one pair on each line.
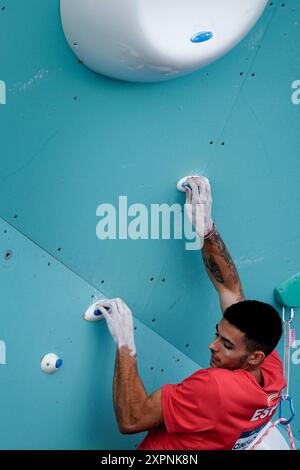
211,264
213,267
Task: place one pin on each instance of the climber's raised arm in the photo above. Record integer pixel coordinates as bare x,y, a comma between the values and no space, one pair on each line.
218,262
222,271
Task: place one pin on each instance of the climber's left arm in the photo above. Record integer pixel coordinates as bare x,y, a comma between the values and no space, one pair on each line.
135,410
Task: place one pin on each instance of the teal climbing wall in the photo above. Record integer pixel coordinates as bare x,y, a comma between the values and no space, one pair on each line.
71,140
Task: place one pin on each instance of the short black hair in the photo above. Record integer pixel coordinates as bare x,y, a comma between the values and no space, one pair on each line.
259,321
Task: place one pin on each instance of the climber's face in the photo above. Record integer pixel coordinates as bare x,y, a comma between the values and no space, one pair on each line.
228,350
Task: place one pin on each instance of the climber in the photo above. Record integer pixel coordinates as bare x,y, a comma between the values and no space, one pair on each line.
224,406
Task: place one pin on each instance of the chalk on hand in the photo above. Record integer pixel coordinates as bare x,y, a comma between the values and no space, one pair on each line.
182,183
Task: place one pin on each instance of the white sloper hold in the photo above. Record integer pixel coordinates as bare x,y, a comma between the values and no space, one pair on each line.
51,363
93,313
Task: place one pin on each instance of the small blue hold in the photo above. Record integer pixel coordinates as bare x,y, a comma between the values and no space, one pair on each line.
58,363
202,36
97,313
186,185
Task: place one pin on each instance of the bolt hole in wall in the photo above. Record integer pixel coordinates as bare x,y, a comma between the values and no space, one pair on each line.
8,254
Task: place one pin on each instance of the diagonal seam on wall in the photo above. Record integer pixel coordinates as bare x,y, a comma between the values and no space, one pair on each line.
92,286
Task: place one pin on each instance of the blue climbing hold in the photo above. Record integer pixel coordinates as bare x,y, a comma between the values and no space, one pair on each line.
97,313
58,363
202,36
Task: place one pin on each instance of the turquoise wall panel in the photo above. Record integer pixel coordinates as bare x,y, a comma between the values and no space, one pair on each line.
71,140
42,307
